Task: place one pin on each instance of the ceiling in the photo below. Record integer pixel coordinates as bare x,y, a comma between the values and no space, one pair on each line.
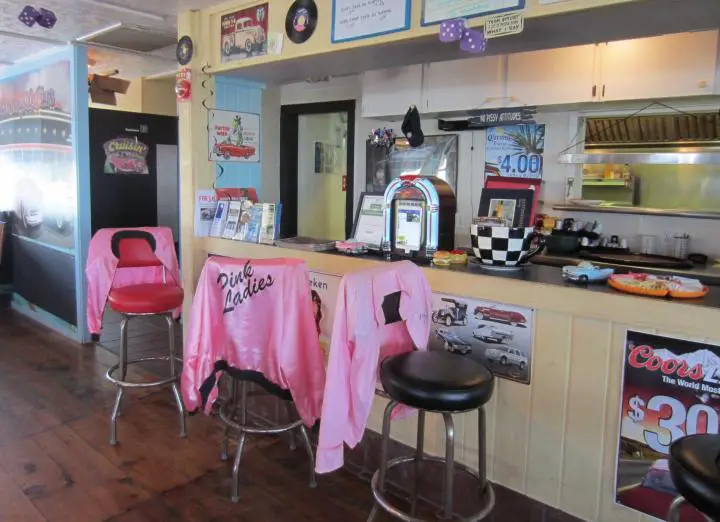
77,18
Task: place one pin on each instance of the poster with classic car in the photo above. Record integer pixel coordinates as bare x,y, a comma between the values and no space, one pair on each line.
243,33
233,136
497,335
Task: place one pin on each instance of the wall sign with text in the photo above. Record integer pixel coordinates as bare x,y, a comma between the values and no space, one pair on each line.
233,136
436,11
515,151
358,19
670,388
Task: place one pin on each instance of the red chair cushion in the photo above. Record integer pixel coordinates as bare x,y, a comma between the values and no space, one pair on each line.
150,298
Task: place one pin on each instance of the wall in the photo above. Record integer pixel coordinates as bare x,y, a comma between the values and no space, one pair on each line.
320,43
45,179
320,197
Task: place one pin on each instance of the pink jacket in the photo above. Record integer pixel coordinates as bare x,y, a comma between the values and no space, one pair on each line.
102,273
360,340
254,314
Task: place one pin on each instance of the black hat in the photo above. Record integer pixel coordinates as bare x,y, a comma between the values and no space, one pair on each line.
411,127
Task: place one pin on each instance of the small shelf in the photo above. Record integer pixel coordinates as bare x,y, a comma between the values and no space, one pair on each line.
605,183
643,211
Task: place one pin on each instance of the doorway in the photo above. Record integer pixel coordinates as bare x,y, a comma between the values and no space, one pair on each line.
317,157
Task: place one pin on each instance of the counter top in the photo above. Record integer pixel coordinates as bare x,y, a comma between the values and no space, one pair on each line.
535,286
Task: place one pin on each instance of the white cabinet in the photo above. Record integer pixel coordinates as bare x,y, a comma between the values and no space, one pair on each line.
661,67
389,92
552,77
462,85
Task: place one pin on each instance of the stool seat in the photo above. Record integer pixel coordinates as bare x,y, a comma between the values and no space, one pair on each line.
149,298
436,381
694,469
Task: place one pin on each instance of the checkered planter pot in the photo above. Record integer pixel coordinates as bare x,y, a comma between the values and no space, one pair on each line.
500,246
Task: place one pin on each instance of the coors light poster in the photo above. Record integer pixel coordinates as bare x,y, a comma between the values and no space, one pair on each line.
671,388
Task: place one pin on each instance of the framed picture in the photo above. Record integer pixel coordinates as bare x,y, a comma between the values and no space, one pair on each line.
233,136
369,225
353,20
244,33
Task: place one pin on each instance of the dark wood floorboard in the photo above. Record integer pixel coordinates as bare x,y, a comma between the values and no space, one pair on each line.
56,464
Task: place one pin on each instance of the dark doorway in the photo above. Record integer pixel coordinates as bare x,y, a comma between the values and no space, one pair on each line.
317,156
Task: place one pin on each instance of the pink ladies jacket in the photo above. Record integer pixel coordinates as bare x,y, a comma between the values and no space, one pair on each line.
102,273
254,314
360,340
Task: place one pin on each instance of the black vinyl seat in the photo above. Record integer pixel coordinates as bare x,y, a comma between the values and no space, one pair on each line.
695,469
437,381
444,383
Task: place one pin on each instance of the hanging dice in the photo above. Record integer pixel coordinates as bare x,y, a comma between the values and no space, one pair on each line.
28,15
473,41
46,18
452,30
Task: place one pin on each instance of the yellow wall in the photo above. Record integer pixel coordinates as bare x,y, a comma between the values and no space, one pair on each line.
149,96
320,41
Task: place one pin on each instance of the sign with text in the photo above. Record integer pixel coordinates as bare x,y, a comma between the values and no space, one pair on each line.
436,11
670,388
515,151
233,136
504,25
357,19
495,117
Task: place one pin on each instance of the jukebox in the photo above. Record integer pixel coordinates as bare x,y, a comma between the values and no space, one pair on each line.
419,213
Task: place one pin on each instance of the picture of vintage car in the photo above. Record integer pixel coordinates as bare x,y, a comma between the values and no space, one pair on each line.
454,313
247,37
493,313
230,150
123,164
505,356
490,334
452,342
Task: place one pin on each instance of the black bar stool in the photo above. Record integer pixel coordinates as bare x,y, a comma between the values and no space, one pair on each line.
695,470
444,383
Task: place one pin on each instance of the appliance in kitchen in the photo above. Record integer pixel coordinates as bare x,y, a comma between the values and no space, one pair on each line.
655,164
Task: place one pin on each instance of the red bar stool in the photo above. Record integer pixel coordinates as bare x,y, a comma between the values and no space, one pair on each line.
136,249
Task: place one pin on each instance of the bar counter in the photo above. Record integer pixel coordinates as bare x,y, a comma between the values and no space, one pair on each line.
556,439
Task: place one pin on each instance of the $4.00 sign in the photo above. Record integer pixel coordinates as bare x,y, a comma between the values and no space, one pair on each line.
671,388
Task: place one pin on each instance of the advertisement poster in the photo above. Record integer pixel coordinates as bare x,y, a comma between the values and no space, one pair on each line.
125,156
497,335
244,33
515,151
36,159
324,290
233,136
670,389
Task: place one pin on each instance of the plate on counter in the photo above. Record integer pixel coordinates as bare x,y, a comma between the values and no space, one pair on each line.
658,286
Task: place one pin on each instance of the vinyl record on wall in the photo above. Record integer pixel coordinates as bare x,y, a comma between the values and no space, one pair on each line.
301,20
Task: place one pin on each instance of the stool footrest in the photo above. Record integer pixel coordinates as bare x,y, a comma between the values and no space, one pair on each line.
127,384
227,419
488,492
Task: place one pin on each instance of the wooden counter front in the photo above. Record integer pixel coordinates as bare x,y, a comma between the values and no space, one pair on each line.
556,439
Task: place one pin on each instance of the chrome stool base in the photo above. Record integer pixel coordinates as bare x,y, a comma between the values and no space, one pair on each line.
121,383
228,413
486,492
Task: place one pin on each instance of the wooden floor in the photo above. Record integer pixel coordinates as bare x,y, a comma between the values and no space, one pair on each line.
56,464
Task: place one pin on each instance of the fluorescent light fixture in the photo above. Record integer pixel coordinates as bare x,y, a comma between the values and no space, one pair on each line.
128,10
99,32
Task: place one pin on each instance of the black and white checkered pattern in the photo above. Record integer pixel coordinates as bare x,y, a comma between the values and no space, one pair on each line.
500,246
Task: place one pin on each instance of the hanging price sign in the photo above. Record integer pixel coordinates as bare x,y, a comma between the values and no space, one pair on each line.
515,151
671,388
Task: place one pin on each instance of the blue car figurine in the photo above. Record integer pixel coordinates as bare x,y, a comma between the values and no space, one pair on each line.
586,273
